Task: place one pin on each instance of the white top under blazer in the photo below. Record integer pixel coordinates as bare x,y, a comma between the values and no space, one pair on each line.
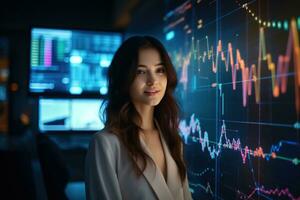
109,173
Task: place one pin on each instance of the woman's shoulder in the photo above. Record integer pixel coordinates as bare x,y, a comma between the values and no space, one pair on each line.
105,138
104,146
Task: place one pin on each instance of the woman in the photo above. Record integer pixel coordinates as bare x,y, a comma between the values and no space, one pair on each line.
138,155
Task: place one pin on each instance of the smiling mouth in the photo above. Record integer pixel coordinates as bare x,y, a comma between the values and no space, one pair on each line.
151,93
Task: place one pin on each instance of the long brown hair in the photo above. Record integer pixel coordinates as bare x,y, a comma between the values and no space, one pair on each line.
120,112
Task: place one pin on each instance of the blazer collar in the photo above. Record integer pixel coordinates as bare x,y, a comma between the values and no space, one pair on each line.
164,189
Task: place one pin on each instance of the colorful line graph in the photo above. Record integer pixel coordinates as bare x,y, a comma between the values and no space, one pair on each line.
215,148
206,188
253,73
206,170
270,23
238,70
274,192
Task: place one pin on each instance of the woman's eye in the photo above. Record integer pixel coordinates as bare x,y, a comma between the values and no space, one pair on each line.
161,70
139,71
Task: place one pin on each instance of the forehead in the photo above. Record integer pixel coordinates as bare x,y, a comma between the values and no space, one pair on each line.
149,56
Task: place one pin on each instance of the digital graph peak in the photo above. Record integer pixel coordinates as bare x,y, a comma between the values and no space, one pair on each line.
251,73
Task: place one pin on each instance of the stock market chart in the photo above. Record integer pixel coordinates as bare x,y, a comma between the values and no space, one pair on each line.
238,65
70,61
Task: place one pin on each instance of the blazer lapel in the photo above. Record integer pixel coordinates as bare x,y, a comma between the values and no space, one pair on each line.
173,178
154,177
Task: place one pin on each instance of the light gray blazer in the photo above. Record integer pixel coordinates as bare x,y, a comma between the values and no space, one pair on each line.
109,173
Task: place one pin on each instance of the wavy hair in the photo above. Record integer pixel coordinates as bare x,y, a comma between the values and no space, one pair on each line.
120,112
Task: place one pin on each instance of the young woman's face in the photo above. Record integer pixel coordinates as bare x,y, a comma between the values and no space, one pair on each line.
149,85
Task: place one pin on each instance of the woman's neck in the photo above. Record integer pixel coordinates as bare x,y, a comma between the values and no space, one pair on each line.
146,113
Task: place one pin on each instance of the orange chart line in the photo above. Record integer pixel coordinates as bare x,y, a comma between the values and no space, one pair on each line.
253,73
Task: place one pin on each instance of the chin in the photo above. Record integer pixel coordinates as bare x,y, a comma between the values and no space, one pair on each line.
153,102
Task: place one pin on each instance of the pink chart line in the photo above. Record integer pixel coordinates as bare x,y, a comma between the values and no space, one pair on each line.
275,192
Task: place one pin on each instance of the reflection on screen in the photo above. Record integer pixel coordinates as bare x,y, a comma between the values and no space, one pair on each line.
71,61
69,115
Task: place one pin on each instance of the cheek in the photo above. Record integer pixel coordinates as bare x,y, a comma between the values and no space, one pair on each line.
135,86
138,80
164,83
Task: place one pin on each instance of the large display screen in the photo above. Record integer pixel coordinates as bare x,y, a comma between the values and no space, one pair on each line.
70,62
238,65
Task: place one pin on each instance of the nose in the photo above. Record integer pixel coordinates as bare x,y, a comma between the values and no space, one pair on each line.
151,79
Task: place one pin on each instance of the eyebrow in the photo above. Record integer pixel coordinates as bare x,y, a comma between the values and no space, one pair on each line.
158,64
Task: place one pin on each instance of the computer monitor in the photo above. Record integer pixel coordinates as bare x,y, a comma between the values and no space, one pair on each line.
70,62
70,115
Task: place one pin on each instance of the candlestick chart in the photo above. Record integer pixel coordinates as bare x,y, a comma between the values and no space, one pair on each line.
238,68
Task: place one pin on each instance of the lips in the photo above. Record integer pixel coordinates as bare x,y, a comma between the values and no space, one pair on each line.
151,92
